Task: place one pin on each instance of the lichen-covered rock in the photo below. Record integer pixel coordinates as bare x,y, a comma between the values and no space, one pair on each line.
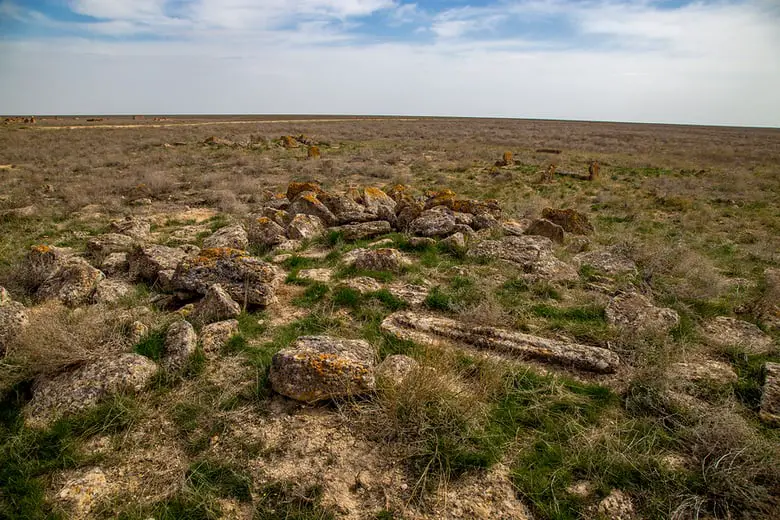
84,386
606,262
216,305
617,506
724,331
411,294
346,209
315,368
279,216
234,237
383,259
545,228
634,311
393,370
73,283
111,291
307,203
243,277
296,188
43,261
289,141
363,230
380,204
770,395
421,242
13,319
82,492
137,228
436,222
407,211
485,221
214,336
101,246
322,274
439,198
114,264
533,253
181,342
136,331
265,232
304,227
361,284
434,330
515,227
578,244
147,261
570,220
455,242
710,371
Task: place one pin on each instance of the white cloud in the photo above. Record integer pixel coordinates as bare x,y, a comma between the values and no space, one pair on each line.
710,64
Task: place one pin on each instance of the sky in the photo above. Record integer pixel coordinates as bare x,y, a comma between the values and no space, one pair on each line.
672,61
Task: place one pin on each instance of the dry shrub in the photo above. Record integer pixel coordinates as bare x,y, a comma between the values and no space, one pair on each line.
226,202
57,337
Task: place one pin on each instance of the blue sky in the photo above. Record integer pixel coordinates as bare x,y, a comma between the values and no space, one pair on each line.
707,62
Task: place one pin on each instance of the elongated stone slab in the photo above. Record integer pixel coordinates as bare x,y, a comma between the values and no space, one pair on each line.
435,330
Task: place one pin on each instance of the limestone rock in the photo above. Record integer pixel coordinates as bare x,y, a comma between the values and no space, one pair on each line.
346,209
304,227
279,216
634,311
726,332
296,188
13,319
264,232
147,261
485,221
214,336
578,244
234,237
43,261
307,203
181,342
570,220
137,228
136,331
395,369
82,492
434,330
73,283
323,274
362,284
314,368
243,277
407,211
455,242
545,228
533,253
515,227
101,246
709,370
770,396
111,291
383,259
617,506
433,223
411,294
216,305
606,262
84,386
421,242
378,203
382,242
363,230
114,264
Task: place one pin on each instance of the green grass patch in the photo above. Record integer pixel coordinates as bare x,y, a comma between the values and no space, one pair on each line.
251,324
220,480
152,345
282,501
315,292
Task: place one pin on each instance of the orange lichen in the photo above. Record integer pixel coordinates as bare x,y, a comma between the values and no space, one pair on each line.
289,141
263,220
593,171
310,197
41,248
295,188
313,152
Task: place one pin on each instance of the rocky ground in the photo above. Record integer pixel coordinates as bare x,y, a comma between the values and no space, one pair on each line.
381,349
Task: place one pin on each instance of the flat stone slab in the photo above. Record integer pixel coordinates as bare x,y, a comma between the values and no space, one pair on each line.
435,330
724,331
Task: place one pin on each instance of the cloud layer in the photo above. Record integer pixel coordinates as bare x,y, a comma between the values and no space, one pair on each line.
642,60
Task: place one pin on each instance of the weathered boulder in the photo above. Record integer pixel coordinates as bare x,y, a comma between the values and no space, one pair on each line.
84,386
434,330
439,198
307,203
411,294
485,221
545,228
322,274
245,278
216,305
265,232
304,227
436,222
83,492
110,291
570,220
383,259
43,261
101,246
296,188
635,311
407,211
533,253
214,336
731,332
709,371
361,284
114,264
770,395
363,230
515,227
181,342
234,237
421,242
455,242
606,262
137,228
13,319
314,368
379,204
73,283
147,261
393,370
279,216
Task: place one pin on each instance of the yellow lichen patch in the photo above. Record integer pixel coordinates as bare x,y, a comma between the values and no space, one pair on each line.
295,188
593,171
263,220
313,152
289,141
40,248
310,197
